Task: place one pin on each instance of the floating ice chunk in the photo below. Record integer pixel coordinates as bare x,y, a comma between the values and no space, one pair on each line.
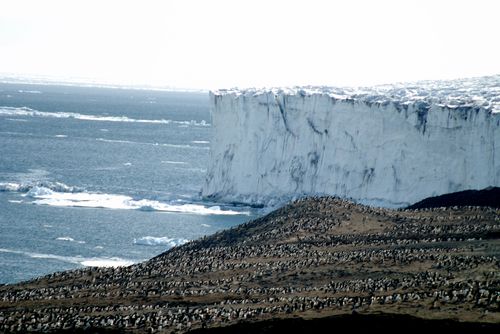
106,262
65,239
159,241
70,239
37,191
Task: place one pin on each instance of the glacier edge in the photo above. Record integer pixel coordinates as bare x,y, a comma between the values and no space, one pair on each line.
385,146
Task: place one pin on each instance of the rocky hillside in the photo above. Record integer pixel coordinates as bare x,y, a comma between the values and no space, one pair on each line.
314,258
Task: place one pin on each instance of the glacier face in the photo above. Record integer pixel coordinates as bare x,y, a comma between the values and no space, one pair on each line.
389,145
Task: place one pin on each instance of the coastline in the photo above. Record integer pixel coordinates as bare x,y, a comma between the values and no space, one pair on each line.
313,258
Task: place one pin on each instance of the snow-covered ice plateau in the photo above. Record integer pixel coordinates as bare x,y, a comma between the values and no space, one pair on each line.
389,145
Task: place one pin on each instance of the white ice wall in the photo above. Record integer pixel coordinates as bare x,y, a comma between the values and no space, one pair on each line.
374,146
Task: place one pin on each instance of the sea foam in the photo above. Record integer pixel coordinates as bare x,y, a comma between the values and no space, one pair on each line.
119,141
112,201
70,239
61,195
28,112
37,186
87,262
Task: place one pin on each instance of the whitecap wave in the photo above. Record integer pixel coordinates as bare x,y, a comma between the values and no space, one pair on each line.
65,239
106,262
159,241
28,112
16,119
9,186
39,192
45,196
173,162
87,262
61,195
70,239
120,141
15,201
37,186
29,91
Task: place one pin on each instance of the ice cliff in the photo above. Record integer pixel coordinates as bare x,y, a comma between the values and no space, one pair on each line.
389,145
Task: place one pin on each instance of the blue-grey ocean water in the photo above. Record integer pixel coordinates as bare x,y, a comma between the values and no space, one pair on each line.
98,176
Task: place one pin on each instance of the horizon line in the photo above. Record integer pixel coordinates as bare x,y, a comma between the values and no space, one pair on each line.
50,80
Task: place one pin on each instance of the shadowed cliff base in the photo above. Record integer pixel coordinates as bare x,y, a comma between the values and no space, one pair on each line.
383,323
485,197
316,258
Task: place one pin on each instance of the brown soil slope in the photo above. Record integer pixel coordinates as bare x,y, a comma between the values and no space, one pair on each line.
315,258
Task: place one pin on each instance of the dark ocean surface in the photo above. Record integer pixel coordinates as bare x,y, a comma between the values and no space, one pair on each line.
98,176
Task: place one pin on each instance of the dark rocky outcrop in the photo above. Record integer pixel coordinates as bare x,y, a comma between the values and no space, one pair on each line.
486,197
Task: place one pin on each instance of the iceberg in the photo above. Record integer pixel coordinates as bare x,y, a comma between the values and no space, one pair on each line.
390,145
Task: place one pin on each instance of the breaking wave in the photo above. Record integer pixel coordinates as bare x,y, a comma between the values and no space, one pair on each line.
29,91
38,187
160,241
25,111
87,262
70,239
45,196
61,195
119,141
174,162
